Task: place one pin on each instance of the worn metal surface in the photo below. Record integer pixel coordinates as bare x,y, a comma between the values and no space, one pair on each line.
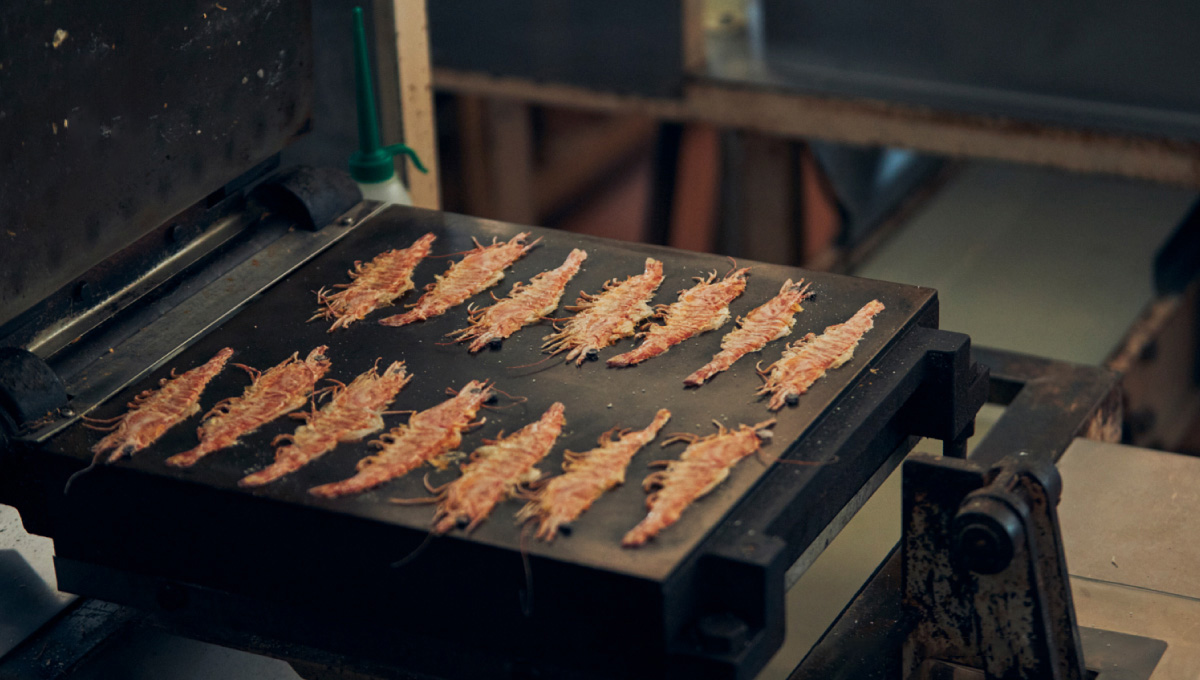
166,334
983,570
864,643
108,127
1049,403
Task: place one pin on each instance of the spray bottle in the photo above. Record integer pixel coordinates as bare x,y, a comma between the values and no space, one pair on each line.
371,166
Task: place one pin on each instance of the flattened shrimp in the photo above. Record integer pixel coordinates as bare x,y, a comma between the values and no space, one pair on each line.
354,412
806,360
376,284
603,319
588,475
284,388
701,308
481,269
153,412
769,321
493,472
428,434
701,467
525,304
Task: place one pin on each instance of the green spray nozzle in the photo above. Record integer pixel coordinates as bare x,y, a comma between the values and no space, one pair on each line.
372,162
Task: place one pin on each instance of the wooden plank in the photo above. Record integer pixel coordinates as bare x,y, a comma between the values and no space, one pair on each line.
693,35
1157,361
576,161
697,188
387,76
768,228
416,97
509,134
473,156
821,220
793,115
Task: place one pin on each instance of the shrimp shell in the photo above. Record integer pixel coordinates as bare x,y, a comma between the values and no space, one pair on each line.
701,467
588,476
806,360
376,284
607,317
428,434
525,304
153,412
281,389
768,322
701,308
493,472
354,412
481,269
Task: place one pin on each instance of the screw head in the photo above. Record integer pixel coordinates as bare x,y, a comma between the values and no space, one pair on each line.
347,221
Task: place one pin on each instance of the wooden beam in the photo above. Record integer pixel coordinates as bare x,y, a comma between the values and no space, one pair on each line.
694,210
387,76
693,36
768,190
868,122
416,99
509,134
576,161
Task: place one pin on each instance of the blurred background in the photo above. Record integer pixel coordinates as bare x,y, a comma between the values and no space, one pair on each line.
1038,165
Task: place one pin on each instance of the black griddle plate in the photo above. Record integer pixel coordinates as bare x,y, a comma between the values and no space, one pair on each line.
597,398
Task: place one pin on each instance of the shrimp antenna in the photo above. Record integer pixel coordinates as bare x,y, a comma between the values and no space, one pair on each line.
478,246
526,595
515,400
79,473
416,552
536,363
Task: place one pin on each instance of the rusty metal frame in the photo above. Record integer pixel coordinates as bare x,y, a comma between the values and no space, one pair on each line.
1049,403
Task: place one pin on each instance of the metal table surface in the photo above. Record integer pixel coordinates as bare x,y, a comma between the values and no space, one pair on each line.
597,398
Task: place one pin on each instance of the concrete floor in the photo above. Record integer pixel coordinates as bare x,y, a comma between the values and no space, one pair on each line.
1036,260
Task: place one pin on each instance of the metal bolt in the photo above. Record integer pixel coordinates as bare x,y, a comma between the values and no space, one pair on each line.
986,534
176,233
83,291
67,412
347,221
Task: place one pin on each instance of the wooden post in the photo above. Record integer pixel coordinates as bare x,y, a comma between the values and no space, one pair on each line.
509,131
693,36
416,99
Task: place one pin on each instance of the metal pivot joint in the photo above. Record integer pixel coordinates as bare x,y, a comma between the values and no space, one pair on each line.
984,574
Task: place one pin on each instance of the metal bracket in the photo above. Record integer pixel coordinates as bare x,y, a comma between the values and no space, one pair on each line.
983,567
